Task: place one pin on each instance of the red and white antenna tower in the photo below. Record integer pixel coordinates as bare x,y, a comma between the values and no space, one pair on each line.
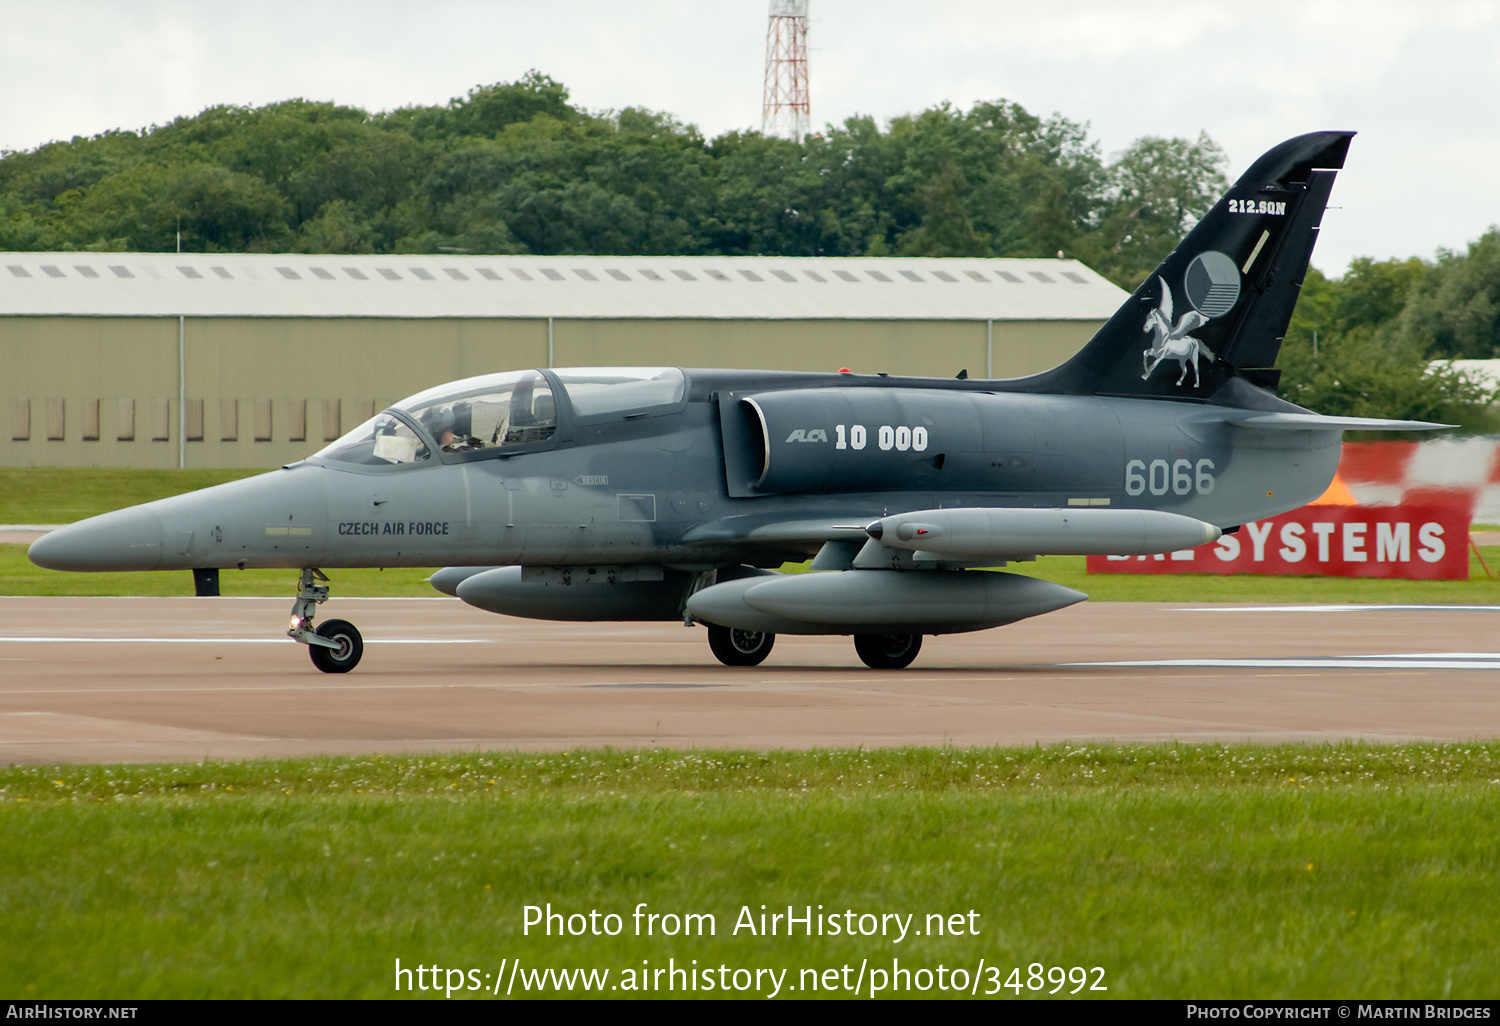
786,112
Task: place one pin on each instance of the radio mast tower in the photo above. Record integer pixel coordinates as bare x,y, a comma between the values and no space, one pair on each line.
786,112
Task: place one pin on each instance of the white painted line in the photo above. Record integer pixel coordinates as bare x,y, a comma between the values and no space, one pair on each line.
1433,661
234,641
1360,608
338,598
232,598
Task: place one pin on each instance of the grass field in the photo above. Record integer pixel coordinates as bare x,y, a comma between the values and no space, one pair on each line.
20,576
61,495
1207,871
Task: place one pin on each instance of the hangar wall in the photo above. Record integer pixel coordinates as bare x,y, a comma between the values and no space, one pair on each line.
936,348
263,391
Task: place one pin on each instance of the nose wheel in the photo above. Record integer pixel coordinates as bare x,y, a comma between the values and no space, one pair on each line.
343,658
335,646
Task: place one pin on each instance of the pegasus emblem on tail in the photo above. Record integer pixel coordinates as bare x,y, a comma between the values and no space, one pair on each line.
1169,340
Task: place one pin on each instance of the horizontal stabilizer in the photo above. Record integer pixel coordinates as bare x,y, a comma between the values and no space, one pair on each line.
1316,422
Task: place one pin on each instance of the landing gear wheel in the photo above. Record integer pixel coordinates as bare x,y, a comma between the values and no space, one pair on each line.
346,656
734,647
887,651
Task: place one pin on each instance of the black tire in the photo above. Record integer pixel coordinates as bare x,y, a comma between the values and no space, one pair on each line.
887,651
346,656
734,647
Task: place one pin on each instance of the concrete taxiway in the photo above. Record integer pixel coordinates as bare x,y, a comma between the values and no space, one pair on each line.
131,680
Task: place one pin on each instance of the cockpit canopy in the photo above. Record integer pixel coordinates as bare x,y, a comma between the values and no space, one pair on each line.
599,391
499,412
494,411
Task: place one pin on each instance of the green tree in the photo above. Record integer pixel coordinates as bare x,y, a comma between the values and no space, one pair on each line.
487,110
337,228
144,207
1346,352
768,196
1364,373
1158,190
992,181
1455,312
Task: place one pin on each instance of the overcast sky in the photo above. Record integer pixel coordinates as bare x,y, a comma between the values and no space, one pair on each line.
1420,82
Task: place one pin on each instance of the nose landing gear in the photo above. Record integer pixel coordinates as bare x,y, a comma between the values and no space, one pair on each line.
335,646
344,657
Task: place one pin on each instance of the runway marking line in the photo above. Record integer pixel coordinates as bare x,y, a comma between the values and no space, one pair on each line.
231,641
1347,608
657,684
236,598
1418,661
339,686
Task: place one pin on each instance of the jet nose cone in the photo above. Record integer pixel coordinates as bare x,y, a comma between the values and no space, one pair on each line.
128,539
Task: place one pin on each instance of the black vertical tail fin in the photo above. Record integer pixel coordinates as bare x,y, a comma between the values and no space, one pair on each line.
1219,304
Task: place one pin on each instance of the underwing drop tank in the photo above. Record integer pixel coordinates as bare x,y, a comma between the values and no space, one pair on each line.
577,592
885,602
968,534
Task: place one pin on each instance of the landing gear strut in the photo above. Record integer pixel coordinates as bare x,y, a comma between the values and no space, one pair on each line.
335,646
734,647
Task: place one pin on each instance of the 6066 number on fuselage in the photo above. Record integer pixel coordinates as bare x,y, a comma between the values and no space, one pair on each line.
1180,477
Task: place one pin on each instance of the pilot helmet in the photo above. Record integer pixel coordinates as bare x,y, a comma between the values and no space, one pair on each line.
438,420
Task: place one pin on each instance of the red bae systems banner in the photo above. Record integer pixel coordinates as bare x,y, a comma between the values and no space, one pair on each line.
1421,542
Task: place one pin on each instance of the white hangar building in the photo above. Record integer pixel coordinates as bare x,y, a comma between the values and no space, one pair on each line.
234,360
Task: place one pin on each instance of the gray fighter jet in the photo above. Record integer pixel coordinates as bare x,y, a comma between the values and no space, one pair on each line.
666,493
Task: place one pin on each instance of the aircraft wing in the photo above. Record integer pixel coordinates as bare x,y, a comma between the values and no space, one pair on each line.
744,529
1317,422
980,536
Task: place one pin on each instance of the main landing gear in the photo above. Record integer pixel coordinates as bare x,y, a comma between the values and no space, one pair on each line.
734,647
335,646
887,651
